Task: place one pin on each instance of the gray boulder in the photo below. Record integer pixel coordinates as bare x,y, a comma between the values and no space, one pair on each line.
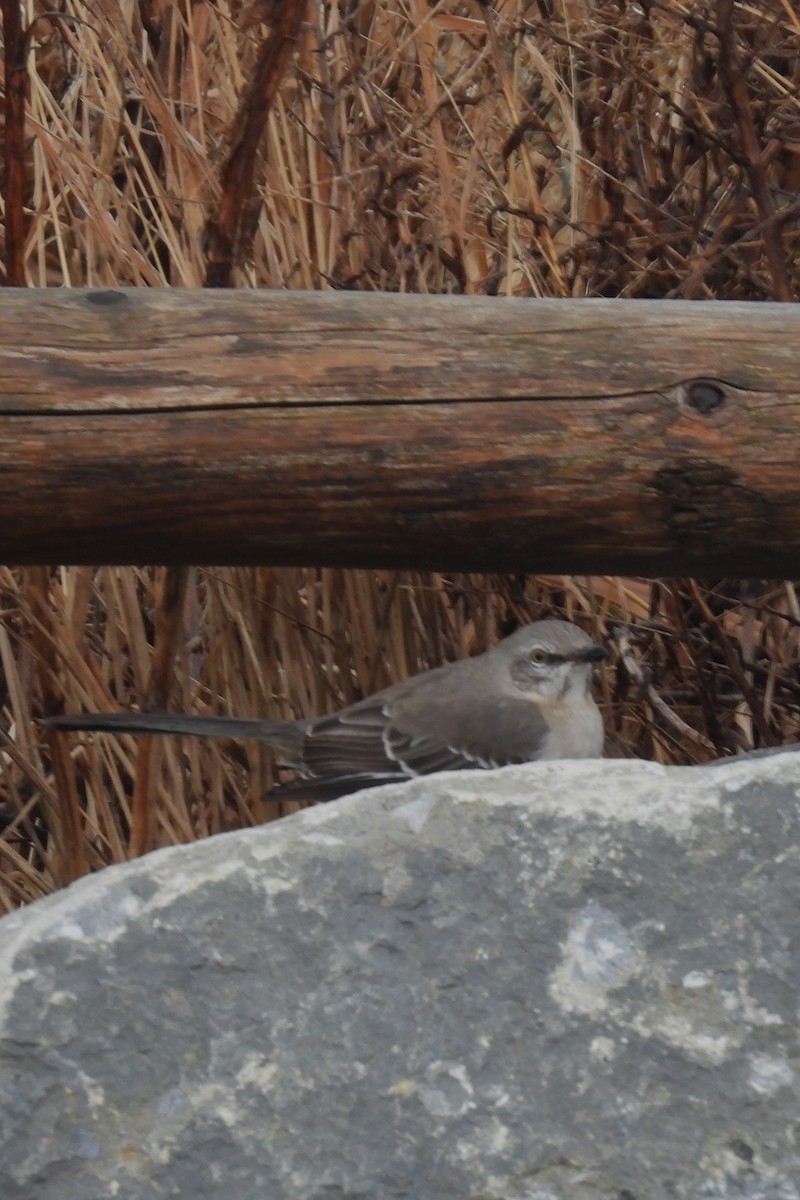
565,981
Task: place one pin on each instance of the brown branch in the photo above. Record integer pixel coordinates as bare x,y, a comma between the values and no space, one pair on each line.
733,80
169,611
729,653
65,822
16,79
643,679
231,230
629,437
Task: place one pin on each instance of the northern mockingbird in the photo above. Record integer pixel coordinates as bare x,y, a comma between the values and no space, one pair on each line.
525,700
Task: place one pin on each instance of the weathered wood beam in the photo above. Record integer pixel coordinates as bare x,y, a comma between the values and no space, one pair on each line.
632,437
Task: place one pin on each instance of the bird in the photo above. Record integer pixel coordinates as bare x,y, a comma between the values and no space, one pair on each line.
527,699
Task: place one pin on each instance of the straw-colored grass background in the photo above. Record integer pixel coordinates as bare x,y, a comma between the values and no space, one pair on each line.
557,148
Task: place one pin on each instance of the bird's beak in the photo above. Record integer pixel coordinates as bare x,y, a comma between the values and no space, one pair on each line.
592,654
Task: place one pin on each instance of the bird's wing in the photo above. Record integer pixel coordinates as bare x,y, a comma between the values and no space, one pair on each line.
350,744
465,729
431,723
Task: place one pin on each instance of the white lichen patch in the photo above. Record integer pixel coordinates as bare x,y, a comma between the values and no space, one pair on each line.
491,1137
446,1090
259,1072
599,956
679,1031
416,812
768,1074
602,1049
403,1088
694,980
92,1090
322,839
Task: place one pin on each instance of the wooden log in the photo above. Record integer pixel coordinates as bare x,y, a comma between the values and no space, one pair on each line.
630,437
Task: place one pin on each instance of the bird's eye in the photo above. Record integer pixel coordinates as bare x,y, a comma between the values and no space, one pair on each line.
538,656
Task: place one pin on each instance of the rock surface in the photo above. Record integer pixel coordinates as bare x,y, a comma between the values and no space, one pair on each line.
566,981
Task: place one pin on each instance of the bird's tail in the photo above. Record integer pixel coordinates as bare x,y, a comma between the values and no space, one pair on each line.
285,736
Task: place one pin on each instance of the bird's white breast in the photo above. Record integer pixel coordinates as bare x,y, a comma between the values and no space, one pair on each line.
576,729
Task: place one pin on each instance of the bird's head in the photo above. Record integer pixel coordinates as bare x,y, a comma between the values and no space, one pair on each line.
549,660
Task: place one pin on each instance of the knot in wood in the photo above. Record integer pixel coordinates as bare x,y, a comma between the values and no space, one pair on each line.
704,395
106,298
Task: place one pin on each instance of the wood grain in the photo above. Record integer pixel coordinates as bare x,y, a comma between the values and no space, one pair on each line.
629,437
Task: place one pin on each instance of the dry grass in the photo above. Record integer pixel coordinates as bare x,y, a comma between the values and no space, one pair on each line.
563,149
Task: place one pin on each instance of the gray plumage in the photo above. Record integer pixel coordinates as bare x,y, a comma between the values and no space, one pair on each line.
526,699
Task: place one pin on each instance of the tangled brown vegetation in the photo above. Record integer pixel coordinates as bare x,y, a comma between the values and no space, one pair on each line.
557,148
